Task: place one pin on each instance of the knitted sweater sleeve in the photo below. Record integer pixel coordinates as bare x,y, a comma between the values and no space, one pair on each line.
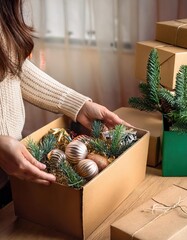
45,92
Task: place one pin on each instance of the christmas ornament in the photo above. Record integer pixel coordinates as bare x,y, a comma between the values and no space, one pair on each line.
101,161
83,138
87,169
129,136
56,155
76,151
62,136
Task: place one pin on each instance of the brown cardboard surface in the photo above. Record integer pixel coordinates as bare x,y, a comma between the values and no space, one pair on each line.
152,122
173,32
80,212
143,224
170,57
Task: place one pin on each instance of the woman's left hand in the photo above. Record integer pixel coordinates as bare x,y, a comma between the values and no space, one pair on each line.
92,111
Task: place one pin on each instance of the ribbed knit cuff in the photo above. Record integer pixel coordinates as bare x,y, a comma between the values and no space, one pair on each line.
72,104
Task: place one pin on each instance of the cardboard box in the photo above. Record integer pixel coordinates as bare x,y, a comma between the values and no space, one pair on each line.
170,57
80,212
167,221
152,122
174,154
172,32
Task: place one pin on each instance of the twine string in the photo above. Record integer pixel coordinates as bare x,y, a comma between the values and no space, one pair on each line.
183,23
164,209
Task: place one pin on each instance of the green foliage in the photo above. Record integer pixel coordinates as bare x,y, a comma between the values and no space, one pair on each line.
99,146
73,179
34,149
113,145
157,98
41,149
153,77
48,143
116,140
97,128
181,89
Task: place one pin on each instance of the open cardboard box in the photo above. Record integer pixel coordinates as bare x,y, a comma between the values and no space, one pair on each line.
80,212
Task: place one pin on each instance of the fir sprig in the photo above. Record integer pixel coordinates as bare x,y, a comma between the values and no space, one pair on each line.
157,98
113,145
181,89
97,128
73,179
35,150
48,143
41,149
153,76
116,140
100,146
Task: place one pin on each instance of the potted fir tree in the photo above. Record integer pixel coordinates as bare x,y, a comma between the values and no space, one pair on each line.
173,106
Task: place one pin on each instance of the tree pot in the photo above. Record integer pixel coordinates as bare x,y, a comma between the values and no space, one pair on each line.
174,152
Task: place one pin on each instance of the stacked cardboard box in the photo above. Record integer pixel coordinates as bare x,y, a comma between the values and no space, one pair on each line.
173,32
172,53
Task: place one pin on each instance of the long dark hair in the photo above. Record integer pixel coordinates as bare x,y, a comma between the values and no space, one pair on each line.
14,35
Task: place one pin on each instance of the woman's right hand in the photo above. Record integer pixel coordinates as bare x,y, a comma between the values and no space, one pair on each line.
16,160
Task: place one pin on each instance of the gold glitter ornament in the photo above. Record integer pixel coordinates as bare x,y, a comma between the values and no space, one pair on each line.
87,169
76,151
101,161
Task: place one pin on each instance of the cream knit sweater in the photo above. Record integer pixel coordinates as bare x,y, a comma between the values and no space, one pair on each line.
38,88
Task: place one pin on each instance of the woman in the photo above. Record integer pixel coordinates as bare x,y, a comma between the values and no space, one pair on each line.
20,79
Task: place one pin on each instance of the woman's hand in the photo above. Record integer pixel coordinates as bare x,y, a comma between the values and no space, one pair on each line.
92,111
16,160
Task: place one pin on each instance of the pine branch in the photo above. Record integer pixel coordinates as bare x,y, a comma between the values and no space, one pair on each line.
97,128
153,76
181,89
116,139
99,146
35,150
144,89
179,120
73,179
142,104
48,143
166,100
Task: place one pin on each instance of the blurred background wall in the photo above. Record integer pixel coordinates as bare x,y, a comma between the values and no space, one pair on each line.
90,45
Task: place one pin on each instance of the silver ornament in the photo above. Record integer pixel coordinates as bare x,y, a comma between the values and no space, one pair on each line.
76,151
87,168
56,155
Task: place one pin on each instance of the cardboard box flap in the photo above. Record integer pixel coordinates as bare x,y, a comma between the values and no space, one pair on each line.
60,122
158,218
150,121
